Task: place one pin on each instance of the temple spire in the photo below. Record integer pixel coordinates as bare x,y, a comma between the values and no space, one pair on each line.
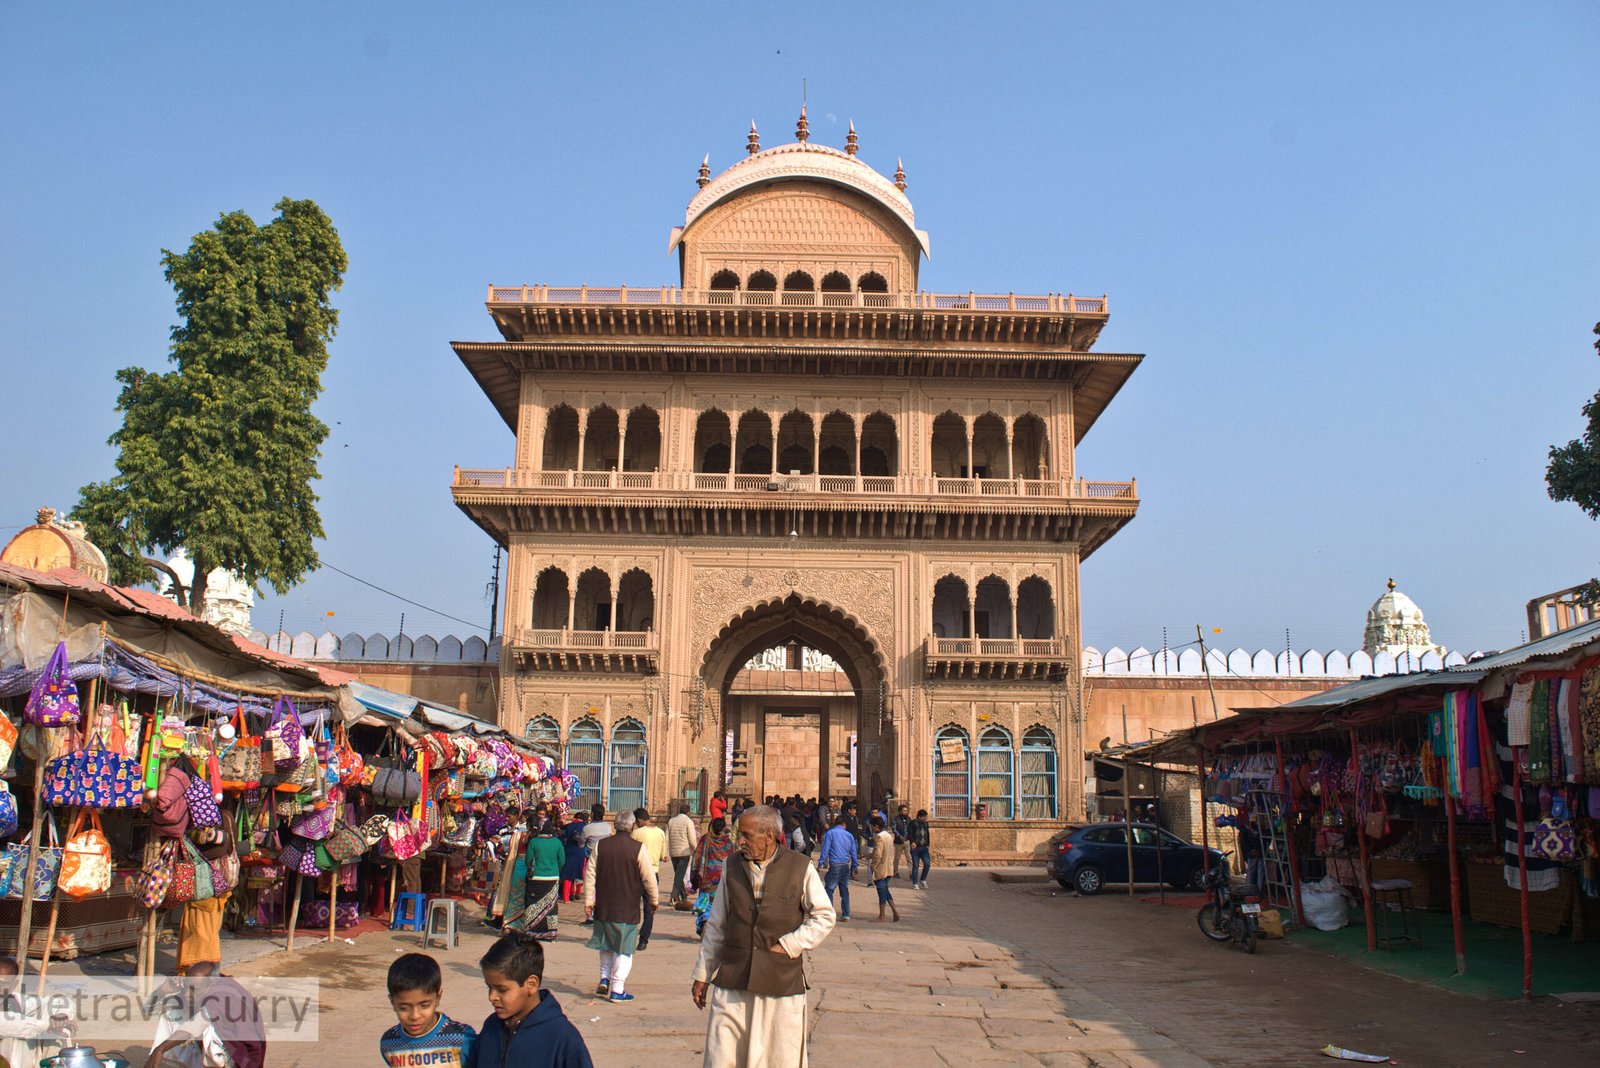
705,172
851,144
900,175
802,129
752,143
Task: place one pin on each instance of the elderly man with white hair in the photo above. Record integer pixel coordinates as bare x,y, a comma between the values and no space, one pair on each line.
769,911
618,885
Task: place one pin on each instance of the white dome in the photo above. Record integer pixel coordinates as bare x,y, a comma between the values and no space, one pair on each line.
1395,626
1394,607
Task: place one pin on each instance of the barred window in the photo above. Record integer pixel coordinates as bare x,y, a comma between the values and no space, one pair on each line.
586,761
627,766
1038,774
997,773
545,731
952,778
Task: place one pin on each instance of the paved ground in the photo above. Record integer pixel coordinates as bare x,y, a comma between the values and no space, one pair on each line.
985,973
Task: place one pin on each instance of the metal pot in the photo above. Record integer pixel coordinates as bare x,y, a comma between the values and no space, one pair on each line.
82,1057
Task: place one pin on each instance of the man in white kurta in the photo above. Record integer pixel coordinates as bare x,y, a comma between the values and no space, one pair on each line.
747,1028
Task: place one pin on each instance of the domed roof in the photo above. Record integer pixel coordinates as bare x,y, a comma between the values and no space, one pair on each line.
802,160
1394,607
54,542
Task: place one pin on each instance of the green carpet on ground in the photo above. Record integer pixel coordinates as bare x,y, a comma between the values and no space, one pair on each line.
1493,955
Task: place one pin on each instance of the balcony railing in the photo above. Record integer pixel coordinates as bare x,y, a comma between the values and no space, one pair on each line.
672,295
985,648
722,482
583,640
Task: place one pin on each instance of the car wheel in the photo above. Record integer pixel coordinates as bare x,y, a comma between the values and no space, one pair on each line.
1196,879
1088,880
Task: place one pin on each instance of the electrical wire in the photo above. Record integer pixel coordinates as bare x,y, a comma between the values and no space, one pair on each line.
407,600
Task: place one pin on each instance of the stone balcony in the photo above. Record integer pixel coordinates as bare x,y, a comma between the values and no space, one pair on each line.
689,503
998,658
563,649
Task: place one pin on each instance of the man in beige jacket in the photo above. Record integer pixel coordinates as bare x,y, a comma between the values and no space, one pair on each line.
681,840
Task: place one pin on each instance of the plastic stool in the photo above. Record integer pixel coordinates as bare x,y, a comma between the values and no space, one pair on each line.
408,912
1399,888
446,905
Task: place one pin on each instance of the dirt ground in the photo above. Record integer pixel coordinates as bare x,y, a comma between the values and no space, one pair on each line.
980,972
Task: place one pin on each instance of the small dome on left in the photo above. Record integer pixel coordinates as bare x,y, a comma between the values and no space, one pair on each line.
54,542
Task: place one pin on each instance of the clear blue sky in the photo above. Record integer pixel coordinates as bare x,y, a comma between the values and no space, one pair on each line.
1358,243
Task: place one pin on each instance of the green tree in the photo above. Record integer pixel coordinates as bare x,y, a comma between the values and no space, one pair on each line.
1574,472
217,455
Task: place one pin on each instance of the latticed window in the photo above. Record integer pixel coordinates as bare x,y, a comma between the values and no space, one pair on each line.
627,763
997,782
1038,774
545,731
952,775
586,755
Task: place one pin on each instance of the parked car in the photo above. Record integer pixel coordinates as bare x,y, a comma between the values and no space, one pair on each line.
1090,857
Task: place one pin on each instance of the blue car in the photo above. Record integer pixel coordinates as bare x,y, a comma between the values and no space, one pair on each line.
1090,857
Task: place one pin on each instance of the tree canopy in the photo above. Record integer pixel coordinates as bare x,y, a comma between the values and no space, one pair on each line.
216,456
1574,471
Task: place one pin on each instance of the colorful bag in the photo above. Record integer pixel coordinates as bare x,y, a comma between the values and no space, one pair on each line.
8,812
239,768
86,858
344,843
346,914
203,810
404,837
350,765
261,877
298,855
375,830
46,868
464,834
8,740
224,873
1554,840
316,824
53,702
154,880
94,777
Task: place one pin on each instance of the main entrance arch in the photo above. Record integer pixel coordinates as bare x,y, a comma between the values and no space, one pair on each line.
798,730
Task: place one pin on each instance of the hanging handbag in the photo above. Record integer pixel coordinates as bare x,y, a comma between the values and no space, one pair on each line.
183,886
298,855
402,838
8,812
284,735
224,873
239,767
154,880
94,777
1377,821
316,824
86,858
203,810
53,701
464,834
375,830
344,843
46,867
306,772
8,740
395,784
1555,840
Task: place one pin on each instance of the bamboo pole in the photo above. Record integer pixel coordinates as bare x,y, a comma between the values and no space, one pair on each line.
333,900
1522,873
1127,818
1288,835
1361,838
394,885
1455,883
1205,664
294,912
49,937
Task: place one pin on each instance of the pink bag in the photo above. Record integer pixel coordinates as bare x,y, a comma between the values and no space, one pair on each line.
403,837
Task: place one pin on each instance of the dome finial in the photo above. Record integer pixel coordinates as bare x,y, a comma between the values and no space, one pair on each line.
752,143
802,129
900,175
705,172
1391,582
851,144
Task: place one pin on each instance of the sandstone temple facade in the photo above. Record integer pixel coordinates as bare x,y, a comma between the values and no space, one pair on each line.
798,449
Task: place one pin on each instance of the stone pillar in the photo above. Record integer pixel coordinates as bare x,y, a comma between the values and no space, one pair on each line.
774,419
1011,462
858,423
970,472
622,440
972,604
583,429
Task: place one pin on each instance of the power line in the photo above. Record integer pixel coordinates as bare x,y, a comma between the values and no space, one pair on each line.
398,597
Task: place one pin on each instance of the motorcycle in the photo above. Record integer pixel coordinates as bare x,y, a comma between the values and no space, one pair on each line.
1230,914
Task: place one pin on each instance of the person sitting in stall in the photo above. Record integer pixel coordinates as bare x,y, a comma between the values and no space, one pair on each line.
26,1036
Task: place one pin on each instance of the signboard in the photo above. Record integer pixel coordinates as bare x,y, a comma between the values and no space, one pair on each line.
951,751
727,757
852,759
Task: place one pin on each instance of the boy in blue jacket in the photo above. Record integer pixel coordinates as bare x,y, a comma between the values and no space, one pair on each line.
528,1028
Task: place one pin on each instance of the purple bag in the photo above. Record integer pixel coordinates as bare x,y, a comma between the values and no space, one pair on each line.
203,811
286,729
54,699
299,855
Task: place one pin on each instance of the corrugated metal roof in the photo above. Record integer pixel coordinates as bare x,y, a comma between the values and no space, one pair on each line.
1566,641
384,702
1367,689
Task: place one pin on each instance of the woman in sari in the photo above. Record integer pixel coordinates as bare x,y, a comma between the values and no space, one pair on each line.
710,855
545,855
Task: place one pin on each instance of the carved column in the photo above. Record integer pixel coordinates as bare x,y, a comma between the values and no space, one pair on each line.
972,602
774,419
622,440
1010,459
572,584
859,424
583,429
967,423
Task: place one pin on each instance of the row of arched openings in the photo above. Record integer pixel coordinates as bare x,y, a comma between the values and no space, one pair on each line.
610,771
801,281
591,603
993,613
802,445
1014,783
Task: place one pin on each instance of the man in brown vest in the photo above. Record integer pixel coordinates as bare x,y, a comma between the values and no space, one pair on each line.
618,885
770,909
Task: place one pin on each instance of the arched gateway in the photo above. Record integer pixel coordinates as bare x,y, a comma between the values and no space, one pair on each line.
797,460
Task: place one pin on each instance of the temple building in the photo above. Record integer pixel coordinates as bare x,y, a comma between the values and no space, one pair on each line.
1395,626
228,598
794,525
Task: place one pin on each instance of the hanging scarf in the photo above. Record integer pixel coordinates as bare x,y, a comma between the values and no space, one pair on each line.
1539,734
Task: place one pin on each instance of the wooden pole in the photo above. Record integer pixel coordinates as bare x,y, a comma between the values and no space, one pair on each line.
1522,873
1455,879
394,884
49,937
1205,664
333,900
1361,837
1161,846
294,912
1205,831
1288,835
1127,818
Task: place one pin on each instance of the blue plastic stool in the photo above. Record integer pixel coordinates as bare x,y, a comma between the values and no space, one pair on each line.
408,910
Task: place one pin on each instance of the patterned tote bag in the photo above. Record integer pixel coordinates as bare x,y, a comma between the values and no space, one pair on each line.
86,858
53,702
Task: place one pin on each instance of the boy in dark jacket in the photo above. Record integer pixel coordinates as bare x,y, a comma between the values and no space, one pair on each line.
527,1028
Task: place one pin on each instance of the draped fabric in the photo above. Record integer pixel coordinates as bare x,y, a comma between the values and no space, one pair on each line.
1589,724
1542,874
1538,761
